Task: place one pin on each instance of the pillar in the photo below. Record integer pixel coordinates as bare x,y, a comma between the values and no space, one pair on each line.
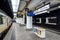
29,22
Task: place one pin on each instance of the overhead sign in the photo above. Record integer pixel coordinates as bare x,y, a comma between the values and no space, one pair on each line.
30,13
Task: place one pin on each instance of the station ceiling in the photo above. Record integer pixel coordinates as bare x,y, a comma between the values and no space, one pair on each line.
20,5
35,3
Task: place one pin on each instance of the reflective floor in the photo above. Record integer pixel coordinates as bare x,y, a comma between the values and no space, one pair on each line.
20,33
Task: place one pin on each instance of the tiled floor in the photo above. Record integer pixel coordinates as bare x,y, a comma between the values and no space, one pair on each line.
22,34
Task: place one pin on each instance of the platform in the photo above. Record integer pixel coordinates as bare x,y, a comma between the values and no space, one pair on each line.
22,34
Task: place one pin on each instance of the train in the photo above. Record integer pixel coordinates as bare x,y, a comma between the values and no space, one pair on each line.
6,16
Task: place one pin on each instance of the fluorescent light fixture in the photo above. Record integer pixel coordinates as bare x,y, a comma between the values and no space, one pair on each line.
43,8
41,12
58,6
15,5
15,14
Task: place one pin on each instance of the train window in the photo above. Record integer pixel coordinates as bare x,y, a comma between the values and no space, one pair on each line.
4,19
51,20
1,19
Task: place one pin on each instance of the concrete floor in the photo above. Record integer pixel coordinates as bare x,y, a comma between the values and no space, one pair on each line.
22,34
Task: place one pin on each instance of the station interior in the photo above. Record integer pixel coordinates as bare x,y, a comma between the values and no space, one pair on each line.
29,19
